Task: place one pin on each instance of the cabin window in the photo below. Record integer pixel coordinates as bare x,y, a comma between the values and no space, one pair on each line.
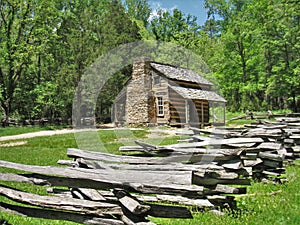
157,80
160,106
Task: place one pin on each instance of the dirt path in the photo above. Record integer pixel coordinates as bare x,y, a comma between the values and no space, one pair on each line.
36,134
154,133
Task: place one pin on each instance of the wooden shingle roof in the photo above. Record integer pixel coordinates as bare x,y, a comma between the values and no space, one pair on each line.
178,73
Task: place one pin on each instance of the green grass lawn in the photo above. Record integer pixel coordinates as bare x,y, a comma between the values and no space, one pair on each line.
257,207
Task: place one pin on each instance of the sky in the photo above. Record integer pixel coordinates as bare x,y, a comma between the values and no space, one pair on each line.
193,7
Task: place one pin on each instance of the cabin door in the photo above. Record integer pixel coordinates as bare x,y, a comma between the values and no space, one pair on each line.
193,114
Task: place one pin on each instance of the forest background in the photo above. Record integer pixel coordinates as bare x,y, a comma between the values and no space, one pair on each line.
251,46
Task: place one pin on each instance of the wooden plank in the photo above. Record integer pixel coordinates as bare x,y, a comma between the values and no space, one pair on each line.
149,147
130,203
242,145
217,142
252,162
58,215
224,189
235,165
130,148
184,132
192,191
271,156
75,205
145,167
270,145
76,153
184,190
71,163
216,132
269,173
221,175
296,148
202,203
128,176
198,179
90,194
211,151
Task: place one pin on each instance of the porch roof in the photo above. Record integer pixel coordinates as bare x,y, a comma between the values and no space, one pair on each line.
190,93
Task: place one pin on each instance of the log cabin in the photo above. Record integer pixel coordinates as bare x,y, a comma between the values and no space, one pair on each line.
161,94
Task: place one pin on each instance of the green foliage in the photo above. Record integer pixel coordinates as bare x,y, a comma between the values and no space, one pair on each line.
138,10
257,63
251,47
46,47
25,32
167,26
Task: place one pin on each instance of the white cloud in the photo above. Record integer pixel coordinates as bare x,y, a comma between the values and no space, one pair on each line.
156,6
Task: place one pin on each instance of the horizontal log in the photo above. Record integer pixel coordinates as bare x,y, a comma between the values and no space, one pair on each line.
176,101
252,162
184,190
235,165
57,215
188,156
212,151
89,194
75,205
271,156
149,147
224,189
145,167
208,181
217,132
269,173
296,149
184,132
270,145
76,153
222,174
71,163
218,142
130,148
121,176
201,203
192,191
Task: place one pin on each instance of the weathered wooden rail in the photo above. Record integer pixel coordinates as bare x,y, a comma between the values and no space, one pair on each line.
206,170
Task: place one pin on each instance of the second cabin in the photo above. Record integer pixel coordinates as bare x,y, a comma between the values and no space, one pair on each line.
160,94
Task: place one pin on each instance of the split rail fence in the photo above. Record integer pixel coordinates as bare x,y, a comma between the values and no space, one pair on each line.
205,170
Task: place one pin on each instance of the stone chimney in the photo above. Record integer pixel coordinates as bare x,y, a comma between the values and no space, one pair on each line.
139,102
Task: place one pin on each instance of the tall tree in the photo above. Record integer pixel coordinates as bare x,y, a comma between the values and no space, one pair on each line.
138,10
258,48
117,28
167,25
25,29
